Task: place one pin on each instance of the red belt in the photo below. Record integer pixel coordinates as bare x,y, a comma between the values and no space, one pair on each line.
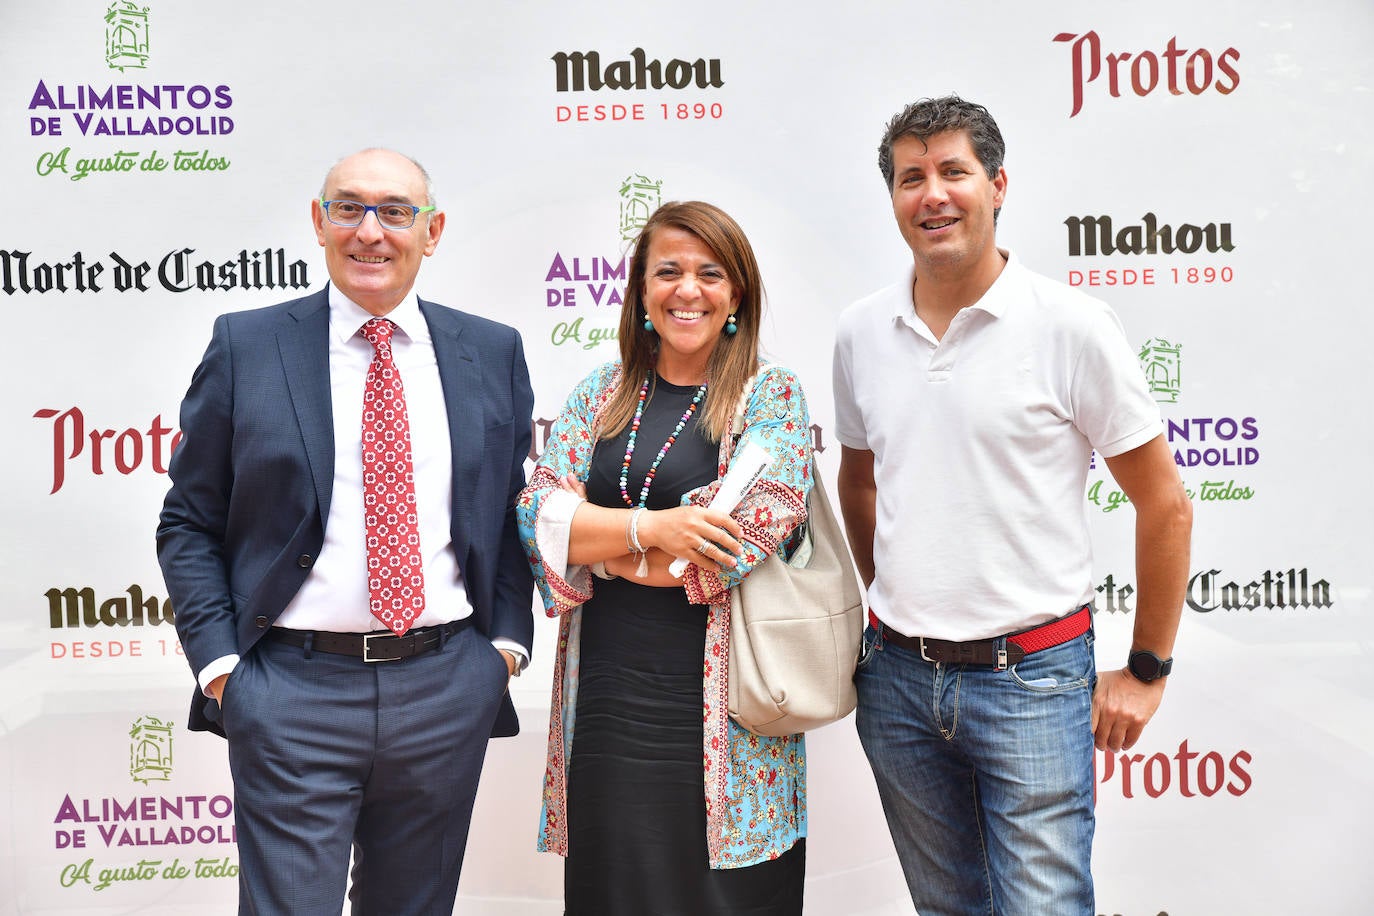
999,651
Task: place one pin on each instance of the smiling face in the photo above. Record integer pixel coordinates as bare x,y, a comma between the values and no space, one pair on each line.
376,267
687,295
944,204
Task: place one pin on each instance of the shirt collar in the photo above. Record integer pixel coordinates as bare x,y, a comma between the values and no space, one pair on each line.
903,307
995,301
1004,289
346,317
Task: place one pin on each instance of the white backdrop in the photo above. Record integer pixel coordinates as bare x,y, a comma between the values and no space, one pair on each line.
1243,124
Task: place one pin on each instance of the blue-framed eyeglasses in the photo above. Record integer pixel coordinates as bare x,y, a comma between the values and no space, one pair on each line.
351,213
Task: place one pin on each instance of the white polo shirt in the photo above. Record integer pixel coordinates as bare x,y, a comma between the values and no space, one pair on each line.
981,444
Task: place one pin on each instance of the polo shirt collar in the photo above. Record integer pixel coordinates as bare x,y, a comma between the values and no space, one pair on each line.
903,308
995,301
1004,290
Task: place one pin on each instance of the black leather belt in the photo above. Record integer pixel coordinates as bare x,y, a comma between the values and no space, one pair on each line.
382,646
1000,651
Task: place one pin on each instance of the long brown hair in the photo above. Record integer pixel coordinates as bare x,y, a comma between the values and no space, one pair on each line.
733,360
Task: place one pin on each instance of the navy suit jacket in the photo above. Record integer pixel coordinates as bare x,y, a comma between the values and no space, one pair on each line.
253,474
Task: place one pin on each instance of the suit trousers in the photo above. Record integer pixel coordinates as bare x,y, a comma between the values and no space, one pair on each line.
330,755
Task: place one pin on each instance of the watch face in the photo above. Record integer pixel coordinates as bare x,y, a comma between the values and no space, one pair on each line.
1145,665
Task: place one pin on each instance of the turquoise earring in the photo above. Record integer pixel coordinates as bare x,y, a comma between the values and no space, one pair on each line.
648,325
730,325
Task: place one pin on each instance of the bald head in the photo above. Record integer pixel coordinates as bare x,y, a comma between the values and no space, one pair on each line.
371,264
383,153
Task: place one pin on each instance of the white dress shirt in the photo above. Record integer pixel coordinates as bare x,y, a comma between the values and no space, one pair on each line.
334,596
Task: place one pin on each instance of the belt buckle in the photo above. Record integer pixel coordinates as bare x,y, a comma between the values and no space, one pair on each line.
367,647
933,661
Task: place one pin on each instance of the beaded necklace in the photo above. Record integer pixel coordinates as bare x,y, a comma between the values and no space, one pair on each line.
634,433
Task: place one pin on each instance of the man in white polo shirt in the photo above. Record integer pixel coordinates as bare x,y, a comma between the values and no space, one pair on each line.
969,398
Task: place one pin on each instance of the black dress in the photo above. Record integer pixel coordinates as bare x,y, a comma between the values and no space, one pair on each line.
636,791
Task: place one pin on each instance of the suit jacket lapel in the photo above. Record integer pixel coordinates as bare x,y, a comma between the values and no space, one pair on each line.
303,341
461,380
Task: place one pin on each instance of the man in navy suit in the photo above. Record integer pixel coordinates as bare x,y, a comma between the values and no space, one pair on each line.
344,737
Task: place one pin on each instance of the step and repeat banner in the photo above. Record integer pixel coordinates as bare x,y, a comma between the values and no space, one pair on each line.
1205,168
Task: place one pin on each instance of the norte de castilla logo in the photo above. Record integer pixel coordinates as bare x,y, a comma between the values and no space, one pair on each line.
177,109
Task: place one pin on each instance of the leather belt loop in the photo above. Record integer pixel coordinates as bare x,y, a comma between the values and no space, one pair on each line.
308,650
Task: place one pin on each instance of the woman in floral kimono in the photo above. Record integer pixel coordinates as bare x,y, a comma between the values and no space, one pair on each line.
659,801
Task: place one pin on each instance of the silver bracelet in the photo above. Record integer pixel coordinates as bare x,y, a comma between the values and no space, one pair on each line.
634,530
642,570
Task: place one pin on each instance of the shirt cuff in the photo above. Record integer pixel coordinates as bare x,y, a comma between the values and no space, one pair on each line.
522,655
222,665
553,529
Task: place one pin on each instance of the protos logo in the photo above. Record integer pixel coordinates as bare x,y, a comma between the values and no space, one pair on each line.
1194,73
1188,773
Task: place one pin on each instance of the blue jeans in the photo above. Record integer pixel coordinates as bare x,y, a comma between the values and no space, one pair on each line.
986,777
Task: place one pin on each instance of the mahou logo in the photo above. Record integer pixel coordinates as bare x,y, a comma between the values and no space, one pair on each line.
75,607
1091,236
1180,70
582,71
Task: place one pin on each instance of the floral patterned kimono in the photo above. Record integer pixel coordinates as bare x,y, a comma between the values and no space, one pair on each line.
755,787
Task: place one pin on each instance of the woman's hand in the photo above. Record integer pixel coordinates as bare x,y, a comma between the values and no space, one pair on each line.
571,484
706,537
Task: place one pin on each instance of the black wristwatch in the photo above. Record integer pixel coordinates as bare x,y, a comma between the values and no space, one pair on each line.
1147,666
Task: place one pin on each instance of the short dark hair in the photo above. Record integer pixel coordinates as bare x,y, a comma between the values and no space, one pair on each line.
928,117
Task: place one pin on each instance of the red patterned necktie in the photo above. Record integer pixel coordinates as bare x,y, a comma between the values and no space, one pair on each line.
395,576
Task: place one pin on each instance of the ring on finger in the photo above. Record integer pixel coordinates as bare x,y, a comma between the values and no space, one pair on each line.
705,546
